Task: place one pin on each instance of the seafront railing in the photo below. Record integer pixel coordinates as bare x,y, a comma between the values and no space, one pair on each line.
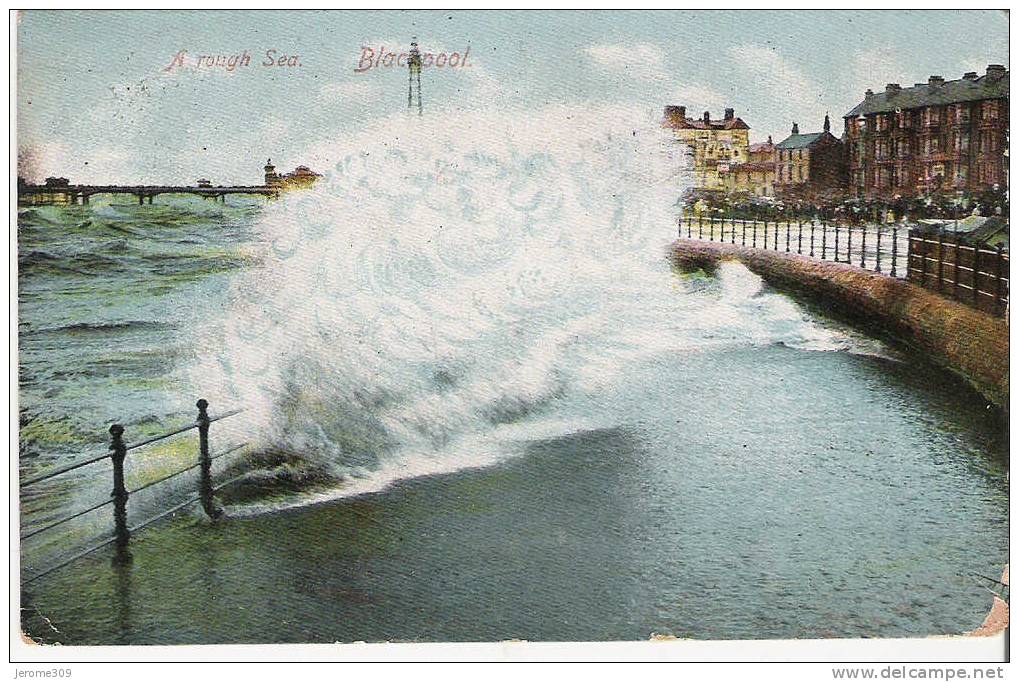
121,494
974,275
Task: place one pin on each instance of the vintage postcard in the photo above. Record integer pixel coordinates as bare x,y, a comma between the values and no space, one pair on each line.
426,326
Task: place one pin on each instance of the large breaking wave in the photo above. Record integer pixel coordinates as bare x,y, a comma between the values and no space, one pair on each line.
452,278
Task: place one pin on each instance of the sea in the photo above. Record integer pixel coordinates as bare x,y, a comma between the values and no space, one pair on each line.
480,404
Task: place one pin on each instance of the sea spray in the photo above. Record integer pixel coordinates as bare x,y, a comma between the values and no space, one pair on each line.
449,281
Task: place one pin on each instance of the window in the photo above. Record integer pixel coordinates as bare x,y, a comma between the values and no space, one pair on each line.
989,110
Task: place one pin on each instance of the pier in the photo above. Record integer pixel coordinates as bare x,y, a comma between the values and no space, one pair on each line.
58,193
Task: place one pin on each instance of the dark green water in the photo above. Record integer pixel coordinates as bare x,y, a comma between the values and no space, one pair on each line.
713,461
756,504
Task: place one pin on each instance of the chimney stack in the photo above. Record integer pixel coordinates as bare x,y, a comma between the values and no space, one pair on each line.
995,70
935,82
827,123
892,89
707,117
796,128
675,116
970,75
769,139
868,94
730,114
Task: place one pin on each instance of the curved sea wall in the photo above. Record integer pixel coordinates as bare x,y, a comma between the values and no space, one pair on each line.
970,343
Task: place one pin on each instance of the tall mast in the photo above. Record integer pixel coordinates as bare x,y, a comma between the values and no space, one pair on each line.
414,77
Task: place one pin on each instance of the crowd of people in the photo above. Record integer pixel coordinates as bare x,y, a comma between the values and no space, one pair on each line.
854,211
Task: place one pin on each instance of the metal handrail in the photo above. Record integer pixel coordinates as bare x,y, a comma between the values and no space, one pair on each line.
120,495
186,469
100,505
63,470
112,539
191,500
66,519
154,439
98,458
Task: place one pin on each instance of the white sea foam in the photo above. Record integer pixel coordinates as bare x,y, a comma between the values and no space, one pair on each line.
452,277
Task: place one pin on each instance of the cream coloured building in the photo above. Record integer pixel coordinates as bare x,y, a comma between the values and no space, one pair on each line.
715,145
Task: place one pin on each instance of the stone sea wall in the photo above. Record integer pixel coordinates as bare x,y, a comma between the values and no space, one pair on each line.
972,344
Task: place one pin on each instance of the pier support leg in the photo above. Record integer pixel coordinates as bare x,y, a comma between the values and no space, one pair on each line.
150,198
141,199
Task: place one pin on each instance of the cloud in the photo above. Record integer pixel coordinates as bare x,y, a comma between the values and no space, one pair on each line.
643,61
786,94
351,89
773,72
874,68
92,164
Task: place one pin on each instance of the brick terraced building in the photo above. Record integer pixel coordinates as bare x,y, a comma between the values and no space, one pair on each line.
938,136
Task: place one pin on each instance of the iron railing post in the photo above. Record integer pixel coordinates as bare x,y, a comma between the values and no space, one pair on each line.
863,247
849,244
895,247
799,235
811,237
941,260
976,277
824,242
999,303
205,486
877,250
955,267
922,248
836,257
120,531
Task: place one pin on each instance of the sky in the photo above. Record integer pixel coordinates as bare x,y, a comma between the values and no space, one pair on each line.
99,99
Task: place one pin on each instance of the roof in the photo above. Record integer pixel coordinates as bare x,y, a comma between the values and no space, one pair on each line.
758,147
800,141
988,86
698,123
